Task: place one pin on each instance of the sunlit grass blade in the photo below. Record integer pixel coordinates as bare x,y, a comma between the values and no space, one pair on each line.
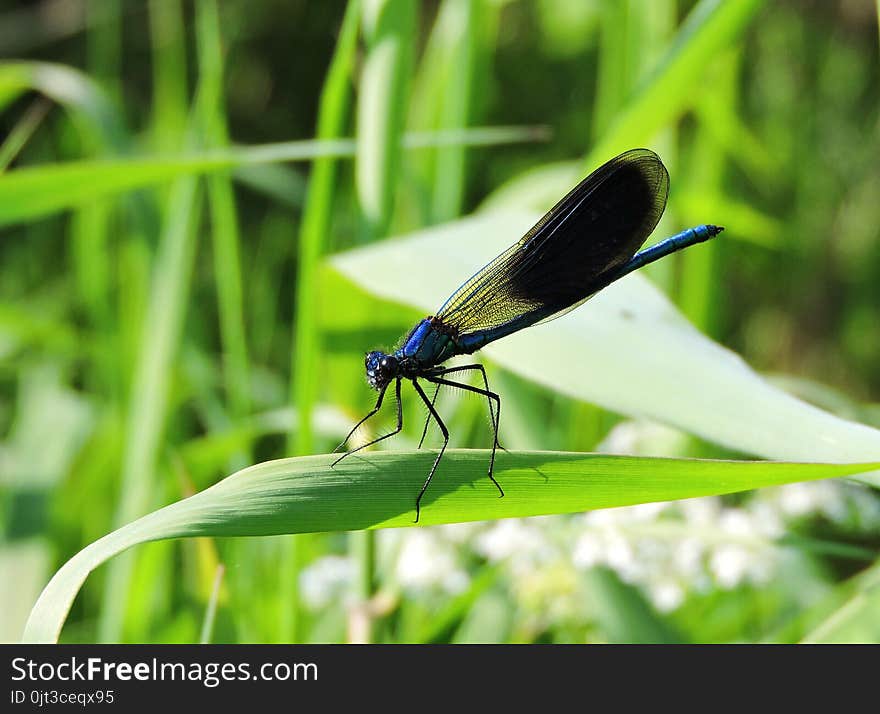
32,192
170,101
389,27
146,420
667,92
314,232
633,34
628,349
743,221
314,236
224,219
152,380
303,495
671,88
444,96
697,290
91,241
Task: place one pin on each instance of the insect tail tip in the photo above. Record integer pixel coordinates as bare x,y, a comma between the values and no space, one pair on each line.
715,230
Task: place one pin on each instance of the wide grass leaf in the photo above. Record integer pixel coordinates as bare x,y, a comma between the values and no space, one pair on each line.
628,349
378,490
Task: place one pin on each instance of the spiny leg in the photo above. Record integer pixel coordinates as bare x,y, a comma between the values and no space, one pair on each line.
490,395
450,370
482,370
445,432
372,412
428,419
375,409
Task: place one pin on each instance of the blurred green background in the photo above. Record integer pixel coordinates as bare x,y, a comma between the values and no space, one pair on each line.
158,338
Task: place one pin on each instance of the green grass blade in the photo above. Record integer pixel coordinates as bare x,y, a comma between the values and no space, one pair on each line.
443,96
665,94
224,218
390,31
104,46
211,611
623,614
91,109
38,191
611,77
314,230
152,381
855,618
628,349
162,328
303,495
313,237
698,288
21,132
170,102
91,241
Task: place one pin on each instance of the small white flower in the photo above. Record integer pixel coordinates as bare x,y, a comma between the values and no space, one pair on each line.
730,564
700,511
619,555
460,532
643,438
507,538
687,557
666,595
767,519
588,551
644,512
800,499
425,561
325,580
737,522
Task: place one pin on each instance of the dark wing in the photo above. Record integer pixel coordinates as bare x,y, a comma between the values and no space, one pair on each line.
570,253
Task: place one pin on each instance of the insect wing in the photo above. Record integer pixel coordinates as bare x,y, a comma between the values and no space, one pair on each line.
570,253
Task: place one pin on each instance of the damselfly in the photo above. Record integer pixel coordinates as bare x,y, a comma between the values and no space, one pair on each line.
584,243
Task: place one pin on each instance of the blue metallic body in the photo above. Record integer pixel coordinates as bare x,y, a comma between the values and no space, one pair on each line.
583,244
427,344
431,343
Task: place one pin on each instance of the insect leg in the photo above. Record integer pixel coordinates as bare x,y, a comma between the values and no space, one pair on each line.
445,432
481,370
428,419
489,395
375,409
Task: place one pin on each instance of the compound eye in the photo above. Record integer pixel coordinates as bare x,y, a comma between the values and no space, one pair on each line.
373,359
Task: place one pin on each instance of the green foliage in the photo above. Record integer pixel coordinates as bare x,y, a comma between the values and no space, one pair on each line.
306,495
169,314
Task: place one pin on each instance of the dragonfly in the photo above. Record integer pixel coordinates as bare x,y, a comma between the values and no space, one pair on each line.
588,240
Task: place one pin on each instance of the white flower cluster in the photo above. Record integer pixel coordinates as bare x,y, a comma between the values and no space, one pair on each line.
666,549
